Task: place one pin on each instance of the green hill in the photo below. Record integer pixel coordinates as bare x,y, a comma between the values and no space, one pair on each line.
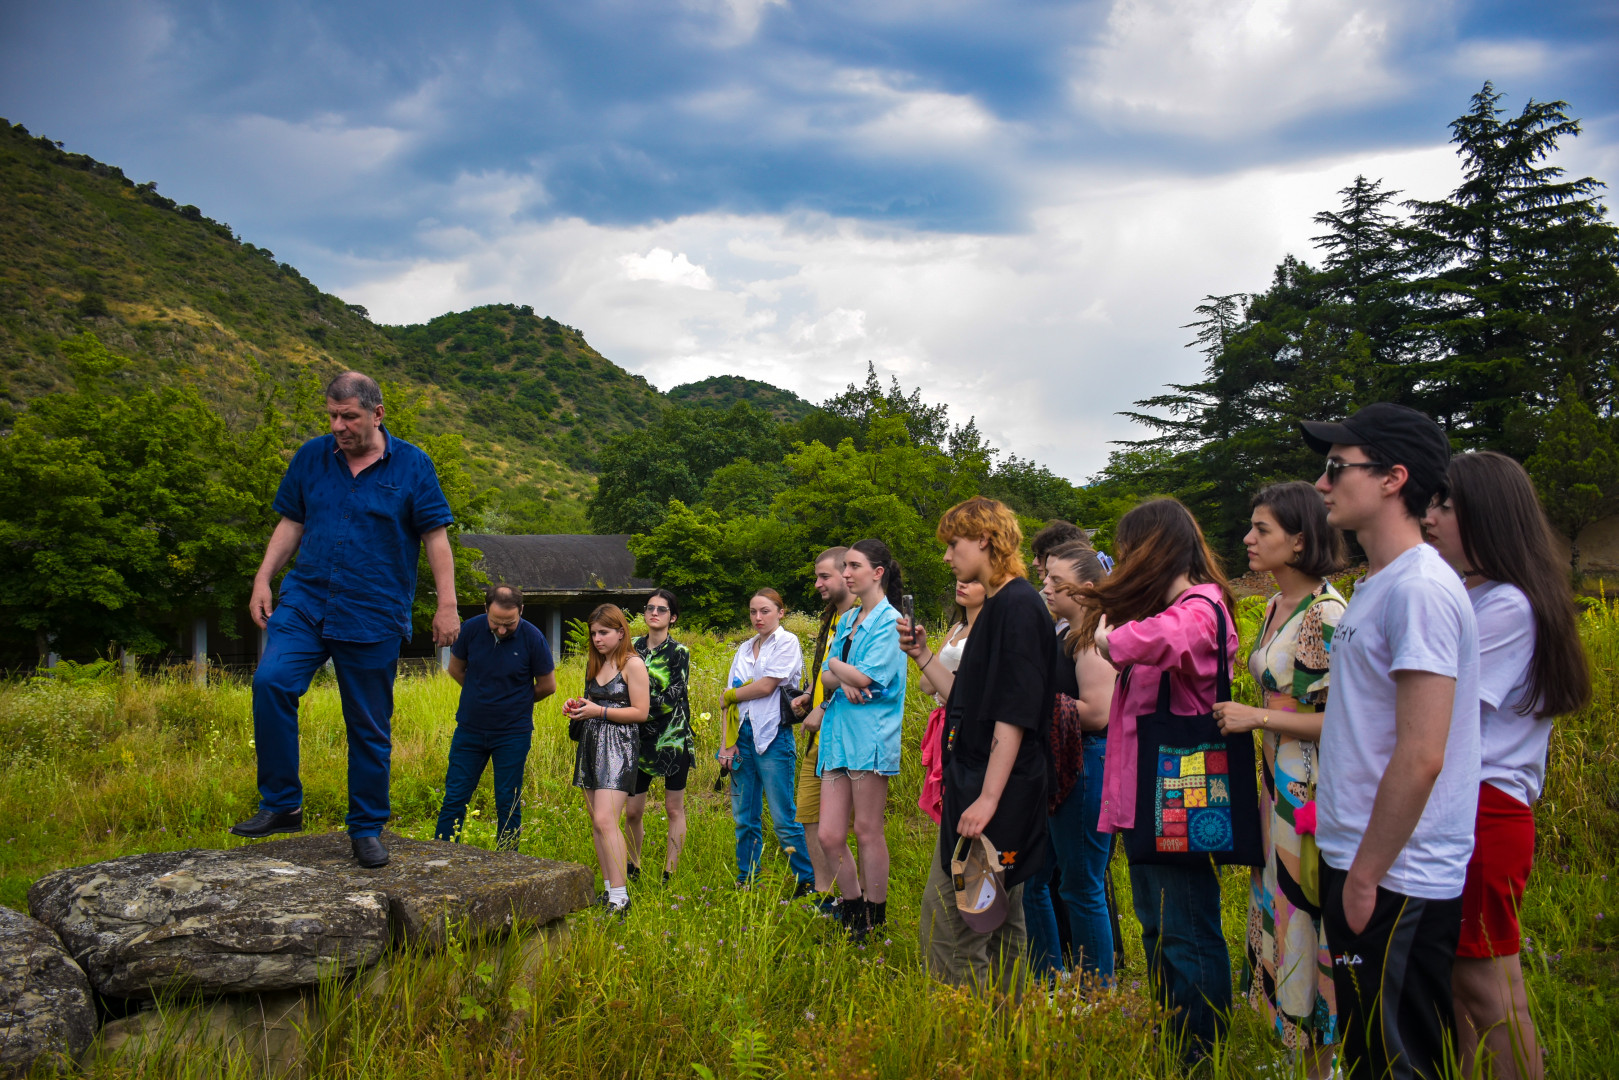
723,391
82,247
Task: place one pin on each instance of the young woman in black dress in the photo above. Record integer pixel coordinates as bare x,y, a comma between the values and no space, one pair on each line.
615,704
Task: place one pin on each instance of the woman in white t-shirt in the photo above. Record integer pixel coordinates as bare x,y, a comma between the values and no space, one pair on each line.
1532,667
757,747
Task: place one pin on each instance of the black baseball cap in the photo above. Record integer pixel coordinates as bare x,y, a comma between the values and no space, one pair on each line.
1392,435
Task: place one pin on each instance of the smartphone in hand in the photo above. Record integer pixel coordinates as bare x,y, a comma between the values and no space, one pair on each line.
907,608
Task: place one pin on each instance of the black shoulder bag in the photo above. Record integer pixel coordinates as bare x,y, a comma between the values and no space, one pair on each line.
1197,796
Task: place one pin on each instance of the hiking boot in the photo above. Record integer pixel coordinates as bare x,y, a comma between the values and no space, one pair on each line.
855,918
369,852
803,890
269,822
632,871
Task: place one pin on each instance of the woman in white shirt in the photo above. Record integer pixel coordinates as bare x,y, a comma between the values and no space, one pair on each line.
758,748
1532,667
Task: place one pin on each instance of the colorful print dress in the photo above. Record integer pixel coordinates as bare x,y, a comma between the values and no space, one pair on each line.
1288,967
668,745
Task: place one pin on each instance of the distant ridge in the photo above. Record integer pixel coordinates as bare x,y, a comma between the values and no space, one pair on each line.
723,391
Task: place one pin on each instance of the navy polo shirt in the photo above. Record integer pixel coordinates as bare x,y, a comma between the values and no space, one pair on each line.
498,691
356,566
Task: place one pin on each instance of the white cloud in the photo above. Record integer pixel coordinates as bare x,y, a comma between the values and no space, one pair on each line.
739,19
661,264
1222,66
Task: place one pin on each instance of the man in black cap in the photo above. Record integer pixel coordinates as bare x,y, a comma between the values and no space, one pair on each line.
1398,790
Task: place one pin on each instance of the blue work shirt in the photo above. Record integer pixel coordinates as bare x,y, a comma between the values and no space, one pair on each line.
498,691
355,575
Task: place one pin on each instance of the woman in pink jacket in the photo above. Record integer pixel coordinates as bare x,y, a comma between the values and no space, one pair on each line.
1143,618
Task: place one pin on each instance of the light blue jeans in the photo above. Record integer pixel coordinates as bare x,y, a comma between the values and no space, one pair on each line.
1081,854
755,779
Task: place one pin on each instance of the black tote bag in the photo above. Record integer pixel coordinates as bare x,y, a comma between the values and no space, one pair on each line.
1197,797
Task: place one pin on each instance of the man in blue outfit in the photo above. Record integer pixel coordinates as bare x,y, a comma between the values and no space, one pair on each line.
356,507
504,666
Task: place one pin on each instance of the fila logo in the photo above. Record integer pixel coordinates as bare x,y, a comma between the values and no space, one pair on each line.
1345,960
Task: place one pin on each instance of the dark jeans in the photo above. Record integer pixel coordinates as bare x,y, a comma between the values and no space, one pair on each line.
1045,946
294,650
1081,854
1396,1015
470,750
1179,909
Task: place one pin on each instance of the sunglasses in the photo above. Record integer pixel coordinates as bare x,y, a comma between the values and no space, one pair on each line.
1335,468
656,610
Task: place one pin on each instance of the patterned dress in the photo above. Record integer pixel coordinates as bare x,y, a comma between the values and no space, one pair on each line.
667,742
605,757
1289,969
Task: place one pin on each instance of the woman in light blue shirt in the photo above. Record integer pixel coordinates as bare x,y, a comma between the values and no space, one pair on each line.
864,676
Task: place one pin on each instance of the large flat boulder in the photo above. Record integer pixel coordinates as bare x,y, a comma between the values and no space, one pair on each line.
265,1033
210,921
432,884
45,1007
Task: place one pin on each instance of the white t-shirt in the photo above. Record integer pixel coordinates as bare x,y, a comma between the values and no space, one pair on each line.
1412,616
780,657
1514,744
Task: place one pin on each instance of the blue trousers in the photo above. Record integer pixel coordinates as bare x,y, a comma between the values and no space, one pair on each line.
1045,946
294,650
1081,854
1179,909
755,778
470,750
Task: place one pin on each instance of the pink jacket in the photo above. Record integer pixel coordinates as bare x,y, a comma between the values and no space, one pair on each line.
1179,640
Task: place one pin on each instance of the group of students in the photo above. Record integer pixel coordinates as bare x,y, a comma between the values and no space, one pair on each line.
1403,738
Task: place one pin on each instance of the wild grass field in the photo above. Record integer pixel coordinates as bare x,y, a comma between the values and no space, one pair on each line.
703,979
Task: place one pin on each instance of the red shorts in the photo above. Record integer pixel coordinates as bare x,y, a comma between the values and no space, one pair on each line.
1503,849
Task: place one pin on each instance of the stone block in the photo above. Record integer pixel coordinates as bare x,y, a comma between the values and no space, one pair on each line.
46,1013
267,1032
210,921
432,884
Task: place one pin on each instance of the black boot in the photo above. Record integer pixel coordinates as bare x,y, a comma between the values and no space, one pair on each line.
876,914
369,852
856,921
269,822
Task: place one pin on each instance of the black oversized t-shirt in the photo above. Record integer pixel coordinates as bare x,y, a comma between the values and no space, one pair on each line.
1005,677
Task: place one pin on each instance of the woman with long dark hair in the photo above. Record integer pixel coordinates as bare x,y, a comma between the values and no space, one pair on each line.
1288,960
1084,689
668,746
605,764
1532,668
864,676
1146,619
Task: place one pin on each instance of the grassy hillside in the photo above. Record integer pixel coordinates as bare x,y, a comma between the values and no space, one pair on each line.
723,391
82,247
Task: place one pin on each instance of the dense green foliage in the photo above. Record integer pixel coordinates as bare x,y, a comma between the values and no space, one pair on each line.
1495,310
742,983
723,391
722,503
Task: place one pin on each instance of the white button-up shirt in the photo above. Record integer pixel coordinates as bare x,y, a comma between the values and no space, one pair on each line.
780,657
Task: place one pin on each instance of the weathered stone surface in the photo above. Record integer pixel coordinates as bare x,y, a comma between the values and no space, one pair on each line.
45,1007
267,1030
430,883
214,921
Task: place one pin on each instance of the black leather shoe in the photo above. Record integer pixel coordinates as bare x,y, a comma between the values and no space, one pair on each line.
268,823
369,852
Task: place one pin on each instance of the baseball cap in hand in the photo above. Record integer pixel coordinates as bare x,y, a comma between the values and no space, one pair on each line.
975,870
1392,435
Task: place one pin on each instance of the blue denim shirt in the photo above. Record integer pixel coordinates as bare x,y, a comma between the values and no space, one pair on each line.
356,566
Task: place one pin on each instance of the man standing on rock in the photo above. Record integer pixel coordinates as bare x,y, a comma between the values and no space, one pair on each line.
356,506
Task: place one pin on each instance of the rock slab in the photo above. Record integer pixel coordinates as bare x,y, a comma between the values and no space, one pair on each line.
210,921
433,885
45,1007
266,1031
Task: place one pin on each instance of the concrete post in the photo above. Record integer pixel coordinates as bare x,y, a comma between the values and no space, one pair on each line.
553,631
128,660
444,658
264,643
199,651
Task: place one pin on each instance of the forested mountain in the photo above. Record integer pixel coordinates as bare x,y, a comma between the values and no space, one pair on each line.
723,391
83,248
1495,310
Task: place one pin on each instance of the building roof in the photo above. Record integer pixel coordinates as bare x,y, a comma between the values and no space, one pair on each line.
559,566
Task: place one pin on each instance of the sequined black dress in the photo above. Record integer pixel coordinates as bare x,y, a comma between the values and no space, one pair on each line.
607,754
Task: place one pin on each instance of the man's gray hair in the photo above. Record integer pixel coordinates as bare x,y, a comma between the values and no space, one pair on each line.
504,596
352,384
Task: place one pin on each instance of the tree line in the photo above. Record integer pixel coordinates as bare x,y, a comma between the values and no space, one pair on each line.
1495,310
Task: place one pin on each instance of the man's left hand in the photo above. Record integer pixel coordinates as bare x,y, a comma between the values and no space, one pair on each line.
446,626
976,818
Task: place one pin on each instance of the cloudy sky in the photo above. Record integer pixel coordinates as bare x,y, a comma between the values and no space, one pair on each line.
1013,205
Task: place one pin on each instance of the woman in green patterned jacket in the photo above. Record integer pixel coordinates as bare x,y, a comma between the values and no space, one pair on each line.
667,745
